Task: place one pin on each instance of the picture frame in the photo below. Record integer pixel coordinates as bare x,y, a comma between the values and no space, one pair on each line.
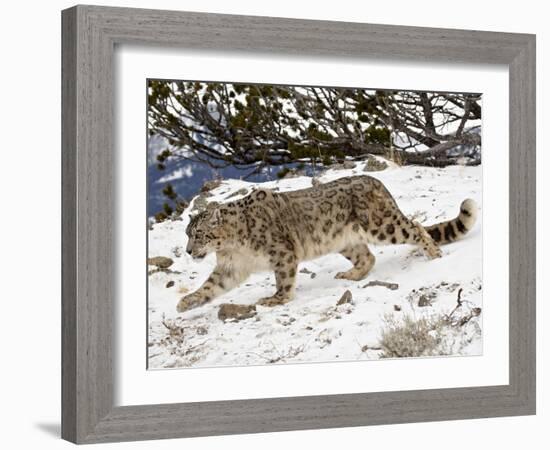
89,37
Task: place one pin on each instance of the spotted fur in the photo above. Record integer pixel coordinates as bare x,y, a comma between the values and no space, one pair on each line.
274,231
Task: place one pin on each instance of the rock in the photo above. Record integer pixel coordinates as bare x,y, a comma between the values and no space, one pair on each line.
170,284
181,206
292,173
346,165
390,286
349,165
375,165
286,321
424,300
162,262
305,270
346,298
210,185
200,203
313,275
367,347
396,308
229,311
242,191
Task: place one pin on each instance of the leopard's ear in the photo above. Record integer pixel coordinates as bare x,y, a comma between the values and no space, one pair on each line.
193,218
215,218
212,205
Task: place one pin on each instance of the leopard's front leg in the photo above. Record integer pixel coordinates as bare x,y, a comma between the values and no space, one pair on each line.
285,278
221,280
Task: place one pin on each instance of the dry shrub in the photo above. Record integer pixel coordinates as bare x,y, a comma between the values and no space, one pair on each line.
409,337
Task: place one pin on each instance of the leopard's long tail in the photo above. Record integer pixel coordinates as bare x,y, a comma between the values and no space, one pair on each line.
452,230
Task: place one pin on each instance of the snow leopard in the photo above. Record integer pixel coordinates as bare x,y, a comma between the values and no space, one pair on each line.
275,231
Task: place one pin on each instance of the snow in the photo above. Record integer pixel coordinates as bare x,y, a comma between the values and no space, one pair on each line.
312,327
177,174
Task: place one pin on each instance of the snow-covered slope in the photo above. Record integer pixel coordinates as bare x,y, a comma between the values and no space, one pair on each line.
312,327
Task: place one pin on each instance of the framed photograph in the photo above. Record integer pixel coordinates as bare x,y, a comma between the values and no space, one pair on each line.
279,224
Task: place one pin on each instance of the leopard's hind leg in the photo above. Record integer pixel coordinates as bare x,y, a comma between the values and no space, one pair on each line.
386,224
405,231
429,246
361,258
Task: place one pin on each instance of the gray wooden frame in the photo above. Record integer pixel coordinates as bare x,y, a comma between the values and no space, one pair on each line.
89,37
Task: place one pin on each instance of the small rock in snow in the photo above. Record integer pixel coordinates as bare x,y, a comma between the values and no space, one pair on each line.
391,286
374,165
236,312
162,262
346,298
424,300
177,251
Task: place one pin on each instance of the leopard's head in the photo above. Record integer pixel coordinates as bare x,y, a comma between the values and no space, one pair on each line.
207,232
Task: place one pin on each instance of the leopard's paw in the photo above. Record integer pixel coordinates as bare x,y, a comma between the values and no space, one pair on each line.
273,301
